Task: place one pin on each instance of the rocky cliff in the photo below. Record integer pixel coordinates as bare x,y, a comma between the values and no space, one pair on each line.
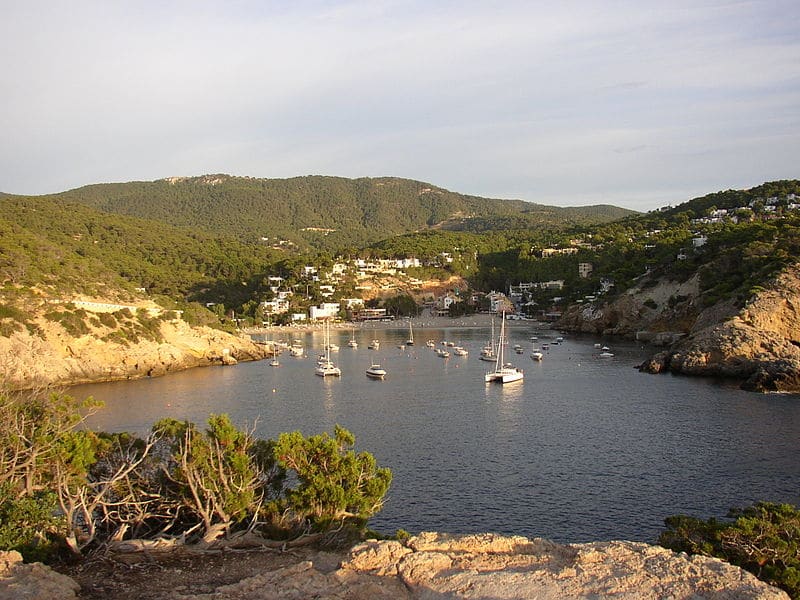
758,344
433,565
48,353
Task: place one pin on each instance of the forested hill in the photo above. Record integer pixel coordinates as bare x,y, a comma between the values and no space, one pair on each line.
324,212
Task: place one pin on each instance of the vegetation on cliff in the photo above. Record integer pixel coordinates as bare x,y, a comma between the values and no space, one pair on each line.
763,538
61,485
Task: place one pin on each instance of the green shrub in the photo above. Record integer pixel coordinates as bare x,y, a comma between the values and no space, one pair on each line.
763,539
334,482
108,320
28,524
73,321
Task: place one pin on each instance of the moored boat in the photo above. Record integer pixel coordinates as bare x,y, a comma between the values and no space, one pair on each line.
503,372
375,371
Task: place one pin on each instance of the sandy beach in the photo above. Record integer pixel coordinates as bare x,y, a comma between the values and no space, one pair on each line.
419,324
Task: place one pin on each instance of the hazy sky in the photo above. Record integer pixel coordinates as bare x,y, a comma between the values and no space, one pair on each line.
635,103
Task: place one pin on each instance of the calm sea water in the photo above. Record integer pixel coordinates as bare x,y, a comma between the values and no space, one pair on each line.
585,448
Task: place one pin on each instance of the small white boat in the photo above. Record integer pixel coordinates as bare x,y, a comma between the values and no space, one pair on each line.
332,347
487,352
430,343
296,351
518,349
545,346
605,354
537,355
410,340
442,352
460,351
559,339
598,346
353,343
374,345
605,349
375,371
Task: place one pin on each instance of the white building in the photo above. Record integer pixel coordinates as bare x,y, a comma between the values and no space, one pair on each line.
326,310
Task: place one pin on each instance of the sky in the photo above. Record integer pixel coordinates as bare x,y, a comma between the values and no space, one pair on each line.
634,103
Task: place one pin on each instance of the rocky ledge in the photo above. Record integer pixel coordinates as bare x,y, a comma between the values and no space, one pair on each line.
482,566
759,345
56,358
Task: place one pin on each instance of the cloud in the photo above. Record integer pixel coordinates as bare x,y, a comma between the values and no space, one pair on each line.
545,102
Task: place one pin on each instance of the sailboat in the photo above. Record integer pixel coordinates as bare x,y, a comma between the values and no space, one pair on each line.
487,352
410,340
353,343
274,362
325,366
503,372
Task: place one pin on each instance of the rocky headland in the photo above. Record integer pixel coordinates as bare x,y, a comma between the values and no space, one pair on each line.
427,566
92,347
758,344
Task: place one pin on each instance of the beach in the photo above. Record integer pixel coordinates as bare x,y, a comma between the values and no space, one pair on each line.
418,323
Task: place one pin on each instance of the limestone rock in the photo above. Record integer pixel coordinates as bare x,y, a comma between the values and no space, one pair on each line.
758,344
35,581
56,358
435,566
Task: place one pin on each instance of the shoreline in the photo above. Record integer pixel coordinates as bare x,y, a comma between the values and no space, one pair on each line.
418,323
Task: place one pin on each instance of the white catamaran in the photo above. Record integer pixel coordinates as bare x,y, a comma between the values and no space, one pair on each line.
503,372
326,367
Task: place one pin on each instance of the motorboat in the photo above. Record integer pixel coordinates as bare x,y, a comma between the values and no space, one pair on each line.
430,343
460,351
375,371
442,352
537,354
503,372
606,354
374,345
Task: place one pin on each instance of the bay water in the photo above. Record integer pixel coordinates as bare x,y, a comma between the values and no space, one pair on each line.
584,448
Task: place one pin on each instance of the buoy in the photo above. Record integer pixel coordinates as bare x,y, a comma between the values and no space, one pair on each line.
274,390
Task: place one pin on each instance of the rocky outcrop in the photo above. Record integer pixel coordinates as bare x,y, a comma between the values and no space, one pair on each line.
483,566
759,345
54,357
20,581
433,565
663,306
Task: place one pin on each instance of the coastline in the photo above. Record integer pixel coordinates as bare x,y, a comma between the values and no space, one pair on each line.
418,323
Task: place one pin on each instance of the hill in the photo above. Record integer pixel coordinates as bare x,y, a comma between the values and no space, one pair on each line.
327,213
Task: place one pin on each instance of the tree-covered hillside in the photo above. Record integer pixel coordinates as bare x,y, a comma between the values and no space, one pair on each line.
61,248
322,212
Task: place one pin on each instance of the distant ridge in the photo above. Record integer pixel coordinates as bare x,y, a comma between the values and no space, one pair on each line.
320,211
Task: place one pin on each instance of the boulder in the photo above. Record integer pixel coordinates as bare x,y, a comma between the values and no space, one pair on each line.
34,581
